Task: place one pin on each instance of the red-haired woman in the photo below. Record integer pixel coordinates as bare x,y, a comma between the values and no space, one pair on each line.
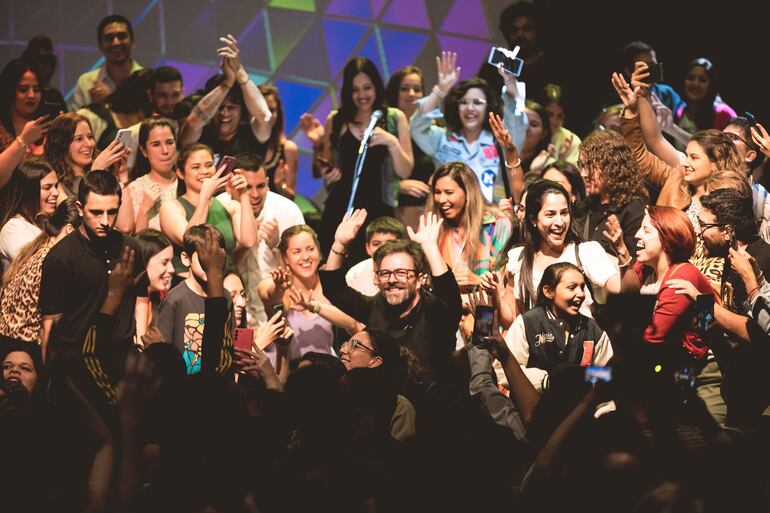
664,243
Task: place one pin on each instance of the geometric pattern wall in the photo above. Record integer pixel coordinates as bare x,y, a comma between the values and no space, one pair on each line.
300,46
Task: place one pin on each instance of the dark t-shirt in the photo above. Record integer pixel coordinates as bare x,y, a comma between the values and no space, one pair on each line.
74,283
181,319
244,141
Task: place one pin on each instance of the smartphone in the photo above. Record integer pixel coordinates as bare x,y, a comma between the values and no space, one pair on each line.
594,374
751,119
704,316
482,324
228,162
278,308
124,136
243,338
52,109
498,55
656,73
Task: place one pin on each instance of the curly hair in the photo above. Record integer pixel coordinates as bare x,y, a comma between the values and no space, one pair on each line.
453,97
731,207
607,152
58,142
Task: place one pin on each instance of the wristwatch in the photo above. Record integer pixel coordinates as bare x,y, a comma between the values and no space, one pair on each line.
315,306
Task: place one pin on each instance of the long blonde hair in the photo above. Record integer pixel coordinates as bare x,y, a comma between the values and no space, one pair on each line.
473,213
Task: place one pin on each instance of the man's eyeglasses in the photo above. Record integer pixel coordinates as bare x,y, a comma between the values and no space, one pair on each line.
476,102
400,274
736,137
706,226
353,344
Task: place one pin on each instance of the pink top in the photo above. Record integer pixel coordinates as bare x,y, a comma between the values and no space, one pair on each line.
723,113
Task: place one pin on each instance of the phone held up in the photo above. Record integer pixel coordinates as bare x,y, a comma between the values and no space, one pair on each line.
229,163
656,73
243,338
483,320
511,63
124,136
704,316
594,373
52,109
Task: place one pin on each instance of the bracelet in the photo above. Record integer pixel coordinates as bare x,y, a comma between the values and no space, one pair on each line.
628,262
439,92
337,252
517,164
241,83
22,144
315,306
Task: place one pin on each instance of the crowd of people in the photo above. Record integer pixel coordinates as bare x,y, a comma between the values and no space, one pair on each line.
493,310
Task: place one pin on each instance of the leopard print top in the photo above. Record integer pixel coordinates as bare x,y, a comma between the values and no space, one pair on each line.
18,299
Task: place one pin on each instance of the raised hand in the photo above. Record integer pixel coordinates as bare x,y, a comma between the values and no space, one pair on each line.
301,300
501,134
744,265
566,147
121,277
638,84
628,96
211,255
614,234
349,227
212,184
538,163
281,278
238,185
99,92
448,74
268,232
230,53
270,331
35,130
312,127
760,137
427,231
110,155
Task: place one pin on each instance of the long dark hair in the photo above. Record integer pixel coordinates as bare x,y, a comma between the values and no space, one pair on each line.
545,139
704,118
530,235
277,131
22,193
347,111
58,142
131,95
394,84
9,79
66,213
142,164
151,242
453,97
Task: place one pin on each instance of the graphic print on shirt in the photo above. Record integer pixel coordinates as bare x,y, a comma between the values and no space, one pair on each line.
543,338
193,341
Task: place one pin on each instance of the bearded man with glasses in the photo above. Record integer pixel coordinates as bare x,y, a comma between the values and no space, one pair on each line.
404,309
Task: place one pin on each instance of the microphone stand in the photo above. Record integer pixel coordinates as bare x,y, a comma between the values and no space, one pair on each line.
362,149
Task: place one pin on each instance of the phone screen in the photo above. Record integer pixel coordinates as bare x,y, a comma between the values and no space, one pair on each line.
513,66
704,305
278,308
594,374
656,73
124,136
228,161
51,110
482,323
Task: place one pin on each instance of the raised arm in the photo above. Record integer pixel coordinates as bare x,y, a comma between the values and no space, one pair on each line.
173,220
512,161
206,108
345,234
245,226
252,97
12,155
653,137
427,237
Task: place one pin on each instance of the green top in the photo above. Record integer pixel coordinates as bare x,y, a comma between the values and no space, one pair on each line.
220,219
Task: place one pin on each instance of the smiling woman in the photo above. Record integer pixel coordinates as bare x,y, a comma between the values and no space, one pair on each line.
30,195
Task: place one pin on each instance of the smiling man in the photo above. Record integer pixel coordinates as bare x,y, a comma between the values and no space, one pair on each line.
411,316
76,271
115,37
275,214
